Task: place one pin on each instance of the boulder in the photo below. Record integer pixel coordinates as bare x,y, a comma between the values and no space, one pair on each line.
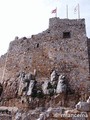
83,106
30,88
54,76
61,86
44,87
88,100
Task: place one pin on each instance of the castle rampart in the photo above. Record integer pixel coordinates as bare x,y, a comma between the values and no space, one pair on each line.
63,47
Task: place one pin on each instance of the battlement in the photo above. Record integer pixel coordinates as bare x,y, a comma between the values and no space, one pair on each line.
66,22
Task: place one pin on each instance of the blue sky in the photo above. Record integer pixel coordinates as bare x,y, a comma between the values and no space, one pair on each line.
26,17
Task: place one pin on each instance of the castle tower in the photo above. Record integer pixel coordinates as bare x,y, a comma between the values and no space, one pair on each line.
72,51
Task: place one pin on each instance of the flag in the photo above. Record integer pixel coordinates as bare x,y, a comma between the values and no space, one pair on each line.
75,9
54,11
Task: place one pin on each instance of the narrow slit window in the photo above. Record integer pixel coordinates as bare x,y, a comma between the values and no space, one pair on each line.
37,45
66,35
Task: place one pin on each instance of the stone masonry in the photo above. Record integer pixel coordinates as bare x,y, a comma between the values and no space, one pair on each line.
63,47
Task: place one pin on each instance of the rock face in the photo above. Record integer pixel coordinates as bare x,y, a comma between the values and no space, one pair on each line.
88,100
60,50
61,86
44,87
83,106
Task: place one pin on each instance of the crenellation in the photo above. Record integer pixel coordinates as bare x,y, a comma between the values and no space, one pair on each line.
67,22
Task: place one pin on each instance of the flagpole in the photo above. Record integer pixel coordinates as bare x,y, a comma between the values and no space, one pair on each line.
67,11
56,12
78,11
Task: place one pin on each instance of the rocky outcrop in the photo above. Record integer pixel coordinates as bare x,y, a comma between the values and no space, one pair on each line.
61,86
83,106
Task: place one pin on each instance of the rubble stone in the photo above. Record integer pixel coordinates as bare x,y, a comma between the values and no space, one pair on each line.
83,106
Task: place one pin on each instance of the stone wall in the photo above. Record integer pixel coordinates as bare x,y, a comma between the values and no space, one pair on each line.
88,44
63,46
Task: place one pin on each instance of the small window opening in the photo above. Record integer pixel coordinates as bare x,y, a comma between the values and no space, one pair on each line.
37,45
66,35
28,49
22,101
48,31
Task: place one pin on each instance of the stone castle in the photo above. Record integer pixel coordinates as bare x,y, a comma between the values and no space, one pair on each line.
63,47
